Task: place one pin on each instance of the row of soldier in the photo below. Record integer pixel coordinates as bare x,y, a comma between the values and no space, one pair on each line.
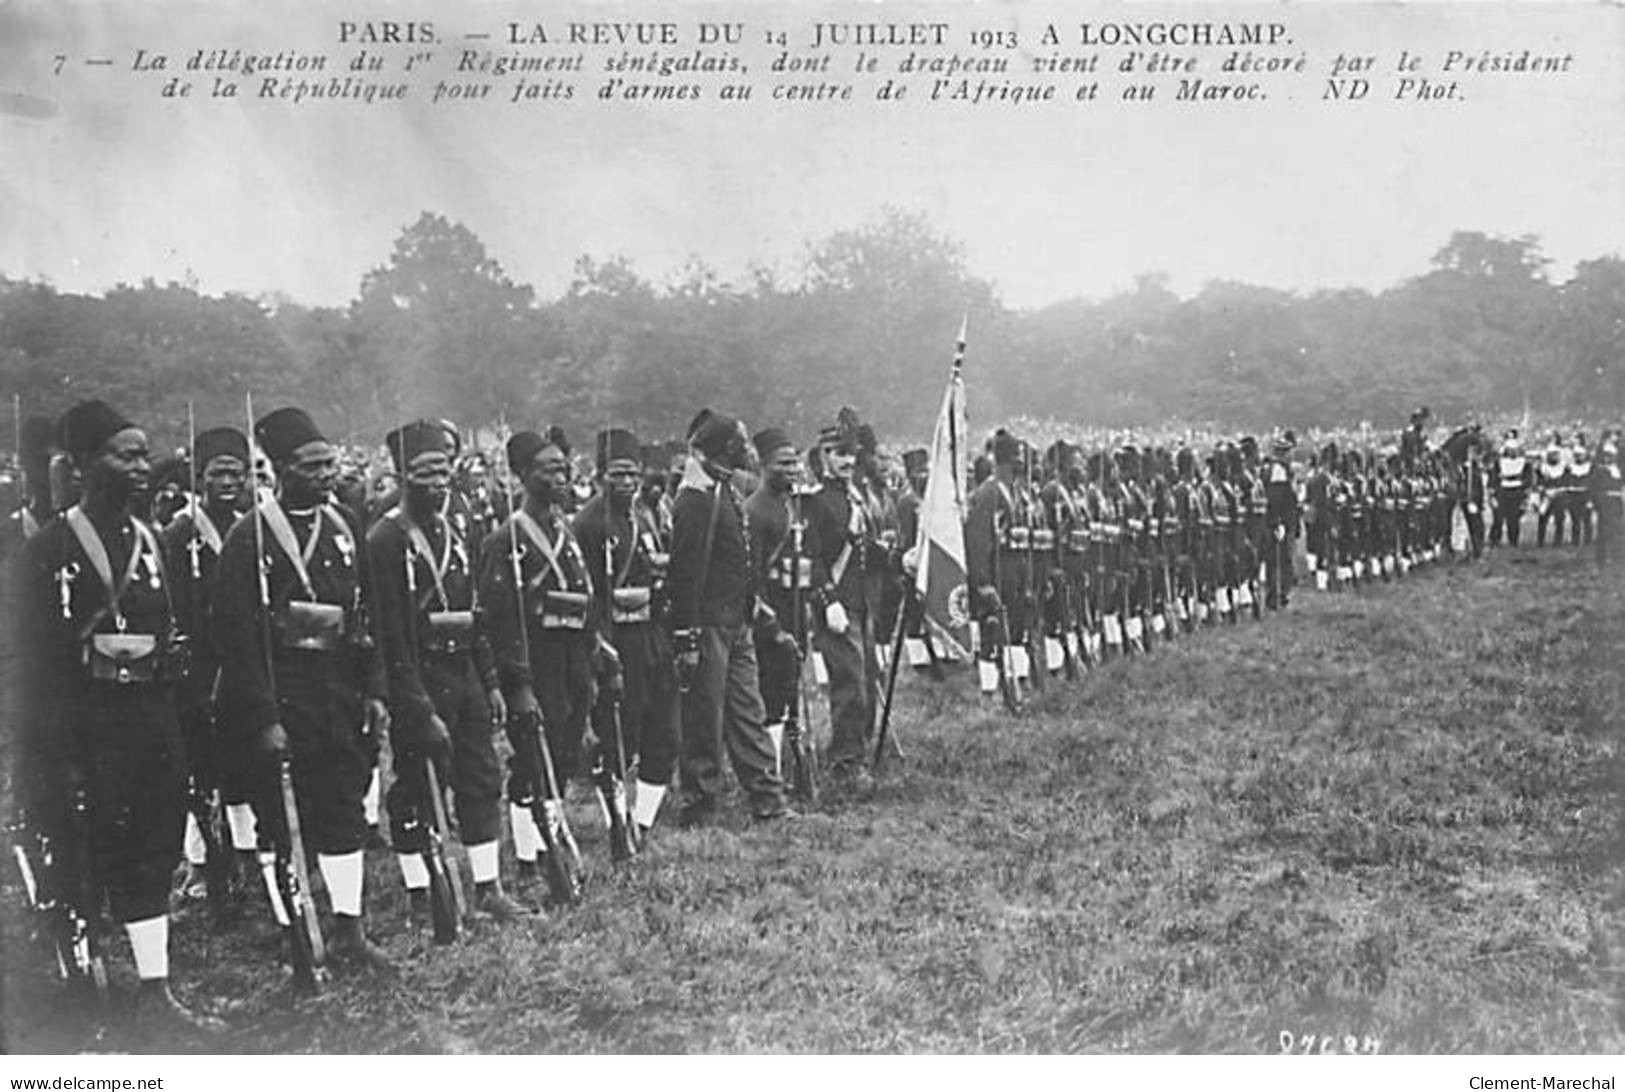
253,651
629,638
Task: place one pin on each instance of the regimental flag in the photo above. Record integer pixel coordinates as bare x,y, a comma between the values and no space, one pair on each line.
940,547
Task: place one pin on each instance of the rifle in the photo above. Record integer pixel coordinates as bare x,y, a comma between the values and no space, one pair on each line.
1009,689
1037,653
609,775
1071,646
563,866
448,905
882,735
292,869
205,802
797,732
63,914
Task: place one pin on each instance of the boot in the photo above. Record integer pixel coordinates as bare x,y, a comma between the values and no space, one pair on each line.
350,944
490,899
159,1013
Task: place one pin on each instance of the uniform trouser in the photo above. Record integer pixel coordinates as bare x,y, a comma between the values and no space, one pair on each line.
128,747
1508,516
1578,503
722,712
1320,542
1610,528
648,703
561,678
850,660
474,776
320,707
1553,508
1279,578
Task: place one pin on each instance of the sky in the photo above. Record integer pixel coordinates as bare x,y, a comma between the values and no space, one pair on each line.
103,181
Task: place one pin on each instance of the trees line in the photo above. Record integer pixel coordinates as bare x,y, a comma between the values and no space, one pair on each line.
867,320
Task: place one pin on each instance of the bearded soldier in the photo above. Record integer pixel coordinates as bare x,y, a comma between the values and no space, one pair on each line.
102,763
294,572
192,546
442,674
628,557
842,543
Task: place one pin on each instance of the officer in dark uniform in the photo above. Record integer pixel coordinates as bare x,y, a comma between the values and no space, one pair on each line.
300,557
444,696
100,738
842,541
192,545
628,557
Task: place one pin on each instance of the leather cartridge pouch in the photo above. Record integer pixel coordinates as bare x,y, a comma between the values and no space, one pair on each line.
122,657
313,627
631,604
564,610
450,631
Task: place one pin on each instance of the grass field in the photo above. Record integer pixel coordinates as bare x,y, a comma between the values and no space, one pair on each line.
1395,815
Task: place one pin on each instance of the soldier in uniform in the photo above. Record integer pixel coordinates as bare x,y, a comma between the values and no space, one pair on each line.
1552,477
993,568
192,546
554,684
102,761
1475,497
1514,476
294,572
843,542
1227,531
1063,563
628,556
1318,493
1186,543
1608,498
713,598
779,549
1577,491
442,674
1282,519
